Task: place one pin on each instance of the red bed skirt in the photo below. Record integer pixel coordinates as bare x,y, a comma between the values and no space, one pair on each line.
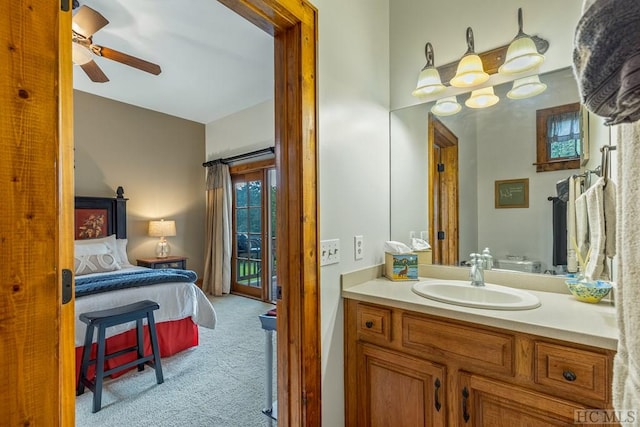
173,337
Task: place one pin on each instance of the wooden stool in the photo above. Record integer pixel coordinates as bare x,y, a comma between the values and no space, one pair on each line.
115,316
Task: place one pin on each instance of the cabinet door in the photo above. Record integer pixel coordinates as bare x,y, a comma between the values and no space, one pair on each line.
486,402
398,391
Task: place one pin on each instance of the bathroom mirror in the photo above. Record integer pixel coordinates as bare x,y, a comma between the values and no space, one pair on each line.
494,144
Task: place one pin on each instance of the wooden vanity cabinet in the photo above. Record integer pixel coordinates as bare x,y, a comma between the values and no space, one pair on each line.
404,368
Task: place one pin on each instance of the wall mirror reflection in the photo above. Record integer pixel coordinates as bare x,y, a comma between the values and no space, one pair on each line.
479,147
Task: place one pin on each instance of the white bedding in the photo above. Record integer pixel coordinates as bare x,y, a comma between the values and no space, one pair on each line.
176,300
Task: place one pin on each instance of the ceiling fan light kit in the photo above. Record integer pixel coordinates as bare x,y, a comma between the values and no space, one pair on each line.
85,23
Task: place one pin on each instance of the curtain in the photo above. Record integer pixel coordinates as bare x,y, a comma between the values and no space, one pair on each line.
217,266
562,128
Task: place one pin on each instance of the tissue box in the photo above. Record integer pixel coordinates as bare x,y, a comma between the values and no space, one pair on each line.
425,256
401,266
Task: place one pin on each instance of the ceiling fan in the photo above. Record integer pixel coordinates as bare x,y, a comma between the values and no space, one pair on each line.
85,23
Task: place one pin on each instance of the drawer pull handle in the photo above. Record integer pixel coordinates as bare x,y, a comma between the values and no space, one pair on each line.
436,393
569,376
369,324
465,397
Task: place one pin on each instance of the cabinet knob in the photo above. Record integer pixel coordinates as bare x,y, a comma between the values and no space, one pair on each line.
569,376
369,324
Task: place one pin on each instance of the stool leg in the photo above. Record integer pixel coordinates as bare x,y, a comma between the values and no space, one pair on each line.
97,392
140,335
84,366
154,346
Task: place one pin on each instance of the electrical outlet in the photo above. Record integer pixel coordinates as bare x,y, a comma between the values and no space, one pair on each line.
358,247
329,252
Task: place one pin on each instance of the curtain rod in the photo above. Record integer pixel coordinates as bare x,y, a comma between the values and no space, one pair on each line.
268,150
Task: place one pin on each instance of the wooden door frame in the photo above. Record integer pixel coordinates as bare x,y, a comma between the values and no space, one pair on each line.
437,125
293,24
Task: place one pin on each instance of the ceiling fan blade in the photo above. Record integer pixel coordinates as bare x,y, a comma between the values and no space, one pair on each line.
94,72
87,21
129,60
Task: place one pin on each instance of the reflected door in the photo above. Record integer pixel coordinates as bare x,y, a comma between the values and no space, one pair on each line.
443,194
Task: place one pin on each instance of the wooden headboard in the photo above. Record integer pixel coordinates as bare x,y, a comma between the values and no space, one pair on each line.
101,216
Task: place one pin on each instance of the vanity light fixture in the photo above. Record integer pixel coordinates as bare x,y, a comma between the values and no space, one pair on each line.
522,54
470,71
429,82
446,106
526,87
482,98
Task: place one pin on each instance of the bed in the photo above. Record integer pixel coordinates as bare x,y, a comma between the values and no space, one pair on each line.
101,267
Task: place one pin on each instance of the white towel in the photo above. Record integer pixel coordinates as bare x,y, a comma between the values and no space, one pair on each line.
596,267
626,372
572,259
610,210
582,226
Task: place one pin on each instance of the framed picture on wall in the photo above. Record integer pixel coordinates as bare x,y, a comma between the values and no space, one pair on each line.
512,193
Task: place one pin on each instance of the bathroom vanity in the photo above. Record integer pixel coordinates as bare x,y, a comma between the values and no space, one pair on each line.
411,361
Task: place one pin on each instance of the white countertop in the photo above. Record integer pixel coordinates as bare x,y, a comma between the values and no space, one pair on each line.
560,316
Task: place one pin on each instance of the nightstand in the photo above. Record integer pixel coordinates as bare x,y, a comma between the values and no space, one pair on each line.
168,262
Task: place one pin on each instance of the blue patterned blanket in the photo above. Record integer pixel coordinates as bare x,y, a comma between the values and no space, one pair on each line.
109,282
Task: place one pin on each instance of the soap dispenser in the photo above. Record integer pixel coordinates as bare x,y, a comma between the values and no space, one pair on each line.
487,259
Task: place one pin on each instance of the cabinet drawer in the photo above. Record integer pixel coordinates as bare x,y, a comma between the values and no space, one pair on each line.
374,322
568,370
482,348
173,264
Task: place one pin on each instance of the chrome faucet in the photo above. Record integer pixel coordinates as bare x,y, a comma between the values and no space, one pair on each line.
476,274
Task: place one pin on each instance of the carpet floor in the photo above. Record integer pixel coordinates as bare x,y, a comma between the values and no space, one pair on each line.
220,383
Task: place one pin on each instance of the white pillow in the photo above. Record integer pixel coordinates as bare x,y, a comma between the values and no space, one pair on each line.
95,263
121,253
110,241
91,249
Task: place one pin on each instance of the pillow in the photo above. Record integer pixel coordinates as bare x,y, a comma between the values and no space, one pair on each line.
91,249
121,252
109,241
95,263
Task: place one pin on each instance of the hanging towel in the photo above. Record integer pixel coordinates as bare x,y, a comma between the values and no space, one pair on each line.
626,372
596,267
559,232
610,204
582,226
572,259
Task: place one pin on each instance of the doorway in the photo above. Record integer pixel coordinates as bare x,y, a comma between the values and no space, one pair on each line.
37,145
443,192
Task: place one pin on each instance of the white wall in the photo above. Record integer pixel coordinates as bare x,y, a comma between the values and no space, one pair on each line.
247,130
353,134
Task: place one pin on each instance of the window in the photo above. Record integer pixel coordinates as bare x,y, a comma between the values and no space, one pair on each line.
559,137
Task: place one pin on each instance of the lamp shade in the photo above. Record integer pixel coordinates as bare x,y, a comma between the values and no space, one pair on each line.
482,98
470,72
446,106
162,228
526,88
522,56
429,82
80,55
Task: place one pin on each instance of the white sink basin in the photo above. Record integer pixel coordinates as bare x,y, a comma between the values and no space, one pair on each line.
490,296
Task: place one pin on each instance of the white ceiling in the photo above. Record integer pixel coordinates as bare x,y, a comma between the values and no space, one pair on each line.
213,61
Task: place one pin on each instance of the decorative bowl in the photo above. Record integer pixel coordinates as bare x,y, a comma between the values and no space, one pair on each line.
586,291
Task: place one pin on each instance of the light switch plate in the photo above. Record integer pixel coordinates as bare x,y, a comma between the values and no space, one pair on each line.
329,252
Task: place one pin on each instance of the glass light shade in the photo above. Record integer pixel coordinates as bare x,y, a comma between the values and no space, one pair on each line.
522,56
470,72
526,87
80,54
429,82
446,106
482,98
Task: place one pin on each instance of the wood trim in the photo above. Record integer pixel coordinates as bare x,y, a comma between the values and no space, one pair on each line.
543,163
67,352
294,26
252,166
